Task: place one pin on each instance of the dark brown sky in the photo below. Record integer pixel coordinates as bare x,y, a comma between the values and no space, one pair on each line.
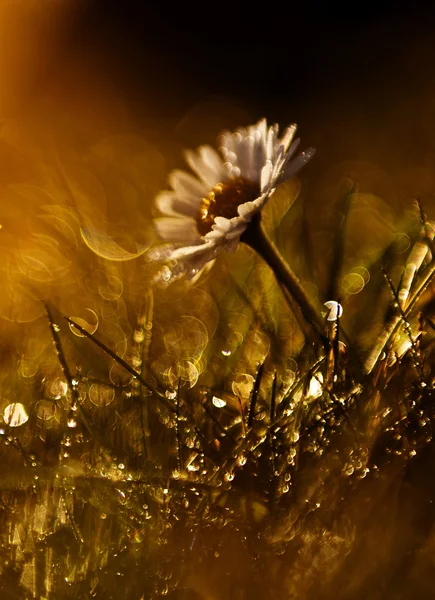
290,53
281,59
360,85
361,66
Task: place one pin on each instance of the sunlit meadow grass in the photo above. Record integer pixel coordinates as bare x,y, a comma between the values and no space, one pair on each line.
200,440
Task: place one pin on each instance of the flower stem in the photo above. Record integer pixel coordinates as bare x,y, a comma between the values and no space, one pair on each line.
255,236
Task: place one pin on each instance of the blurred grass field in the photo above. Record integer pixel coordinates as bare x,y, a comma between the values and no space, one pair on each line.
207,449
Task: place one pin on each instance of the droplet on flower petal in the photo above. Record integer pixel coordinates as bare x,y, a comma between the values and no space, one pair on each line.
15,415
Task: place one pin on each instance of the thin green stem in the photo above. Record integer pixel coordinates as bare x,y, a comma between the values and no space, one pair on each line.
255,236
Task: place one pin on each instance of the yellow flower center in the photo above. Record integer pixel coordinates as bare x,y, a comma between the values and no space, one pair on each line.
223,201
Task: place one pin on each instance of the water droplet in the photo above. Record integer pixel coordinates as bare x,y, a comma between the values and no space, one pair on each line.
335,310
139,335
192,467
166,274
242,460
315,389
242,385
15,414
218,402
226,352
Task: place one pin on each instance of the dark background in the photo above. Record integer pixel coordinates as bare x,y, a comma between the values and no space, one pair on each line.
278,55
356,78
349,75
289,61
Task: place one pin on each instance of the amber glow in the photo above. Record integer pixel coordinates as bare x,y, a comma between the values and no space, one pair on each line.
264,467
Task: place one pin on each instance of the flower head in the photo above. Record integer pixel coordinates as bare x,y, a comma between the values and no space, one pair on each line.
208,213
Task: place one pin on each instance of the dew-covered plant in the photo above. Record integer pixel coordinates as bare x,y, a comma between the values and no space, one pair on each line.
237,432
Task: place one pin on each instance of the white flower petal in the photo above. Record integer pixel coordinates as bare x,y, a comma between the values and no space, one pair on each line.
266,173
262,200
252,170
237,231
254,153
296,165
227,143
246,157
207,164
232,157
169,204
213,235
211,158
247,209
222,224
270,144
186,185
288,136
237,137
177,229
198,263
259,159
294,146
190,251
261,127
206,174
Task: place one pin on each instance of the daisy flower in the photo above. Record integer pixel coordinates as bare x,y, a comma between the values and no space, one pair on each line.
219,206
209,212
